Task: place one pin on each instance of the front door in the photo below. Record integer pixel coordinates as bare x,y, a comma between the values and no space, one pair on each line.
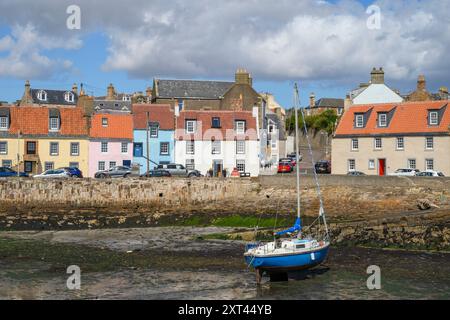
381,167
217,167
30,167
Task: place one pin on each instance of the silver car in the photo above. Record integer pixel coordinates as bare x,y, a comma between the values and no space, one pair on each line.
54,174
115,172
178,170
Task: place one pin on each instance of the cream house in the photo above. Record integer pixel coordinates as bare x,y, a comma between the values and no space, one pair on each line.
379,139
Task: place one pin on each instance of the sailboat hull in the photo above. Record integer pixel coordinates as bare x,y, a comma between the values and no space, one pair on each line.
288,262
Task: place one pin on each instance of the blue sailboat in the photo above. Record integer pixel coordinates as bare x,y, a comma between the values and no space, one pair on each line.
299,251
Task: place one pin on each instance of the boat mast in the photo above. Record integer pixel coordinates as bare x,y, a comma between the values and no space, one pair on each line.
296,105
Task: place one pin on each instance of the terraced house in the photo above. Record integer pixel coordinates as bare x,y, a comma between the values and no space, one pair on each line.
110,136
379,139
46,130
154,129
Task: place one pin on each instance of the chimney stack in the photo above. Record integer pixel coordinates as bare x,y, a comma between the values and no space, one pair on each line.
377,76
312,100
347,103
111,92
27,99
421,83
243,77
443,93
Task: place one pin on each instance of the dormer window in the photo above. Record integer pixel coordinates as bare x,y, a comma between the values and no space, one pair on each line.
382,120
190,126
42,95
240,127
215,123
4,119
126,98
105,122
359,120
433,118
69,97
54,120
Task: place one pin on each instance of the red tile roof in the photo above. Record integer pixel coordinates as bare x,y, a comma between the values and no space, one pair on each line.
35,121
120,126
408,118
161,113
227,122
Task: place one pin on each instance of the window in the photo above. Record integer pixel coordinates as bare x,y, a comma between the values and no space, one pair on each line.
54,148
74,165
54,124
138,150
190,164
112,164
359,121
69,96
434,118
4,123
274,144
340,111
104,147
355,144
180,105
400,143
412,164
42,95
164,148
190,126
240,127
215,147
105,122
378,143
49,166
3,147
429,143
7,163
351,165
126,98
429,164
28,166
31,147
240,147
371,164
190,147
74,149
124,147
215,123
101,165
240,165
382,120
154,128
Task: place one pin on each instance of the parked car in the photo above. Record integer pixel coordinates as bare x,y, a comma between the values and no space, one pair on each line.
405,172
156,174
54,174
356,173
6,172
75,172
115,172
290,160
430,173
323,166
293,155
285,167
179,170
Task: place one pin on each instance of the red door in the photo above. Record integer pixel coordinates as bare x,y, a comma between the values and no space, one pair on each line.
382,167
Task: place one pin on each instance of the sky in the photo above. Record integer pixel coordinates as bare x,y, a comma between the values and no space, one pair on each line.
328,47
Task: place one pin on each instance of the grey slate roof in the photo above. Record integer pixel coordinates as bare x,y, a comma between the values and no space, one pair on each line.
274,118
192,89
112,105
330,103
54,97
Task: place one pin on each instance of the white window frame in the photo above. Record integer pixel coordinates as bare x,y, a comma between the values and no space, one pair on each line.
375,143
101,166
427,145
104,147
240,163
4,123
355,144
349,164
434,118
49,165
240,127
69,97
427,161
412,164
42,95
359,121
190,164
153,130
402,147
240,146
216,147
372,165
191,126
190,147
382,120
164,153
54,143
112,164
5,143
124,147
54,124
77,146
